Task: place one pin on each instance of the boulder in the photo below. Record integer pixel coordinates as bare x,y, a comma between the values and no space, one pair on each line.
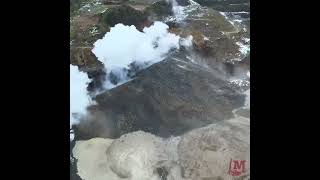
201,154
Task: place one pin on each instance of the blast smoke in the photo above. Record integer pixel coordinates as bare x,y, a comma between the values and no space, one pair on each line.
124,51
124,47
79,98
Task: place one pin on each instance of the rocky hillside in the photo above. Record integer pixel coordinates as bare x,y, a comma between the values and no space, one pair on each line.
188,94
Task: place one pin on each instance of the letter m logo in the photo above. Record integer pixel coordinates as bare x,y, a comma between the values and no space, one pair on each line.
236,167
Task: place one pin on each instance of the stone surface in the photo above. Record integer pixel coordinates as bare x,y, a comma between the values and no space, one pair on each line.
188,95
203,153
169,98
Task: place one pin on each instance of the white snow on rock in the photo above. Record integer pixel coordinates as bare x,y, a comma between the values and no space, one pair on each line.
243,48
240,82
180,13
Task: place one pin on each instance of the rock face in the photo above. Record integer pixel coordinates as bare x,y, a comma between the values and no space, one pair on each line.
159,10
188,95
218,37
83,57
215,36
86,29
87,62
169,98
109,2
126,15
183,92
203,153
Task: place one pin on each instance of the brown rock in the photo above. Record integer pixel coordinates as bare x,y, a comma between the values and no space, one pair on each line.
200,44
82,56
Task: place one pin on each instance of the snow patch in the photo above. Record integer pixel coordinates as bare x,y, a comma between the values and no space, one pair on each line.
180,13
240,82
246,40
183,67
243,48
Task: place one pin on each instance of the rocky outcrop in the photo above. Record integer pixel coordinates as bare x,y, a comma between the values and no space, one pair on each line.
86,29
82,57
87,62
159,10
75,5
126,15
215,36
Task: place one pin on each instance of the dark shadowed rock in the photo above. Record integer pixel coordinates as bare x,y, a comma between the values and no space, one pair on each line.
168,98
126,15
75,5
159,10
113,2
163,173
183,2
98,78
226,5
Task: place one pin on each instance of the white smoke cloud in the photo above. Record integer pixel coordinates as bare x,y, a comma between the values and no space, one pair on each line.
79,98
187,42
118,49
125,45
